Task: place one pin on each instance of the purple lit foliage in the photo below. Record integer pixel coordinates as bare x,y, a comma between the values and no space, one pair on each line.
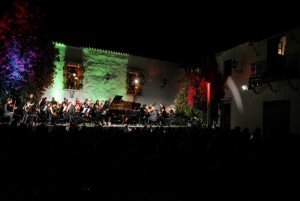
19,66
27,55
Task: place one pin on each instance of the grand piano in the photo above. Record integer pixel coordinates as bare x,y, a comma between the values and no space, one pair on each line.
121,111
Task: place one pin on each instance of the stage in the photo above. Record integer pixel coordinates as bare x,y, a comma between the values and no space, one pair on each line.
124,127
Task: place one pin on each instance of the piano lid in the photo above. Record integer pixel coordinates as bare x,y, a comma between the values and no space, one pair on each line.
119,104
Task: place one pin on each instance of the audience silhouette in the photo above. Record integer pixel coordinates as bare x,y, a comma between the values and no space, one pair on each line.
51,163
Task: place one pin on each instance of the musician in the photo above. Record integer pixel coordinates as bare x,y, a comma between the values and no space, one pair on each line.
30,98
162,110
97,105
30,113
54,113
73,110
29,104
9,108
161,113
95,108
70,111
104,111
143,113
53,101
152,114
66,101
85,112
42,107
84,107
77,101
106,103
170,116
43,103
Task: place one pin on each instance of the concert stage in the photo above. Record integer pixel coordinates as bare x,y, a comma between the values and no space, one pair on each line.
124,127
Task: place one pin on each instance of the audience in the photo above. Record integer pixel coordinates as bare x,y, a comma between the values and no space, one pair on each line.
136,164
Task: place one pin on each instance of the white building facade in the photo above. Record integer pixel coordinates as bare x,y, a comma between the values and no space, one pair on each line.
262,88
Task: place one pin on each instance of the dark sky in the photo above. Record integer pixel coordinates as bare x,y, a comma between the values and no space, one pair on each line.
176,32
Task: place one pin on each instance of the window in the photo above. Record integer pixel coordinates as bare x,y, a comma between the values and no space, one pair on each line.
227,67
73,75
135,81
281,45
280,48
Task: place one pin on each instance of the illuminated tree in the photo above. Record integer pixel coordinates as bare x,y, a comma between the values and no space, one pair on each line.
191,100
26,54
191,95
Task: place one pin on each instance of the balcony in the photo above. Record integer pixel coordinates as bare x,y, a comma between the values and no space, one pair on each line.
275,69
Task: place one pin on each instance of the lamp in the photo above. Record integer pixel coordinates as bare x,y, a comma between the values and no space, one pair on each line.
234,66
109,76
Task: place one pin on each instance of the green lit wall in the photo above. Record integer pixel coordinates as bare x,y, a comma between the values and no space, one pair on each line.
57,88
97,64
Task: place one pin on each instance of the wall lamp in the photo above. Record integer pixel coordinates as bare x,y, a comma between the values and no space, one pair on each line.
110,76
234,66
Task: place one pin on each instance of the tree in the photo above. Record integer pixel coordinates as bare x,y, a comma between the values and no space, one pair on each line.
27,55
191,94
191,100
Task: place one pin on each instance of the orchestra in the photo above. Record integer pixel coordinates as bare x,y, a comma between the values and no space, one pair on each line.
101,112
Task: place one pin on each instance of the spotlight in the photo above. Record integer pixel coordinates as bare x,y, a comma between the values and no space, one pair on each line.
244,87
136,81
74,74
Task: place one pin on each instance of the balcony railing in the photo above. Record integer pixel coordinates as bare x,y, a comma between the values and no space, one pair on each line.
258,68
281,67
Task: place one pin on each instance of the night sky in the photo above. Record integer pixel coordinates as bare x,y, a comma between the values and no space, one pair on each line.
177,32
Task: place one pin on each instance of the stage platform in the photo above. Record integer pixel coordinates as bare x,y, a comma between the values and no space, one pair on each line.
93,125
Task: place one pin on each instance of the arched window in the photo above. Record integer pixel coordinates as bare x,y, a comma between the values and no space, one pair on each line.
281,45
135,82
73,76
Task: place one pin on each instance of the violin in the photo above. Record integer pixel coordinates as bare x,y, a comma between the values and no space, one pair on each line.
13,105
27,106
150,108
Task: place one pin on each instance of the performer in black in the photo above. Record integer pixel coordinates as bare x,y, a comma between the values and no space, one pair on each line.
162,113
43,103
9,108
152,117
170,116
28,106
43,109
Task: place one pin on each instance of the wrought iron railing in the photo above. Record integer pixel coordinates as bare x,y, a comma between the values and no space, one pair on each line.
285,66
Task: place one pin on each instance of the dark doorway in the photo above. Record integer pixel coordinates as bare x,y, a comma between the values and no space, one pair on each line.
224,113
276,116
227,67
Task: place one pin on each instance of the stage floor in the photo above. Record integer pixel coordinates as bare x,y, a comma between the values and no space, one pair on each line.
122,126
